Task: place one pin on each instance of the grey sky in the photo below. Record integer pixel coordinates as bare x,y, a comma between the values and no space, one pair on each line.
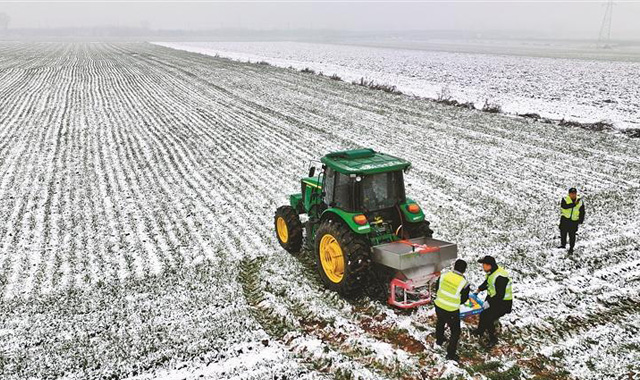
562,19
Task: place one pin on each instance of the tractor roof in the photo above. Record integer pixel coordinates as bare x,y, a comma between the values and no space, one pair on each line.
363,161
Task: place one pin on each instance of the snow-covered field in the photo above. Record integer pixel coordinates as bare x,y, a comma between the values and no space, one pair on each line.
137,191
576,90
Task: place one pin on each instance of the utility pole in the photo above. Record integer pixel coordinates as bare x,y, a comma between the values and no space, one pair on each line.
604,39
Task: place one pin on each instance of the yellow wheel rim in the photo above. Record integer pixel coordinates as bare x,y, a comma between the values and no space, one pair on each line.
283,231
331,258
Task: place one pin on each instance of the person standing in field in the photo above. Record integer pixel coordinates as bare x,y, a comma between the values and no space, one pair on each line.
571,216
499,301
452,289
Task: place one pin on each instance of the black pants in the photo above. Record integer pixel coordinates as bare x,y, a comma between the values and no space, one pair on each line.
568,227
452,319
488,318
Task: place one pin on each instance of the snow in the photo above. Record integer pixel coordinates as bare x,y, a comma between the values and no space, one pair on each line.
555,88
137,239
241,364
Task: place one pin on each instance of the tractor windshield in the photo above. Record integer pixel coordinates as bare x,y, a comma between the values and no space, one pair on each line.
380,191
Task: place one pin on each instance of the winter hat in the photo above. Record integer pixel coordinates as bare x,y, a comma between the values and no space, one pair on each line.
488,260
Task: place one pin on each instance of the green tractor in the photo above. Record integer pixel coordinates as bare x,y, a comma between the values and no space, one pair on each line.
359,224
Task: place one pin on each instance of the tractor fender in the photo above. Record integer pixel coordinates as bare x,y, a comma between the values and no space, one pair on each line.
346,218
295,200
409,216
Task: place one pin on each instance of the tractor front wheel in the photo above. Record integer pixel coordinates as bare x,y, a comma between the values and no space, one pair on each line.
288,229
342,257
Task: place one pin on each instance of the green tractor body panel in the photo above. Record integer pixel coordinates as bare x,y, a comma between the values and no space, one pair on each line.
347,217
411,217
312,187
363,161
295,200
313,182
312,195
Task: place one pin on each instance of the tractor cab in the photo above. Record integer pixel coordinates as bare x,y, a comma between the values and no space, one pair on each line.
359,219
363,180
366,189
365,192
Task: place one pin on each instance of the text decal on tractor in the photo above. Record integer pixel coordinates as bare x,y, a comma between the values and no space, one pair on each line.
360,225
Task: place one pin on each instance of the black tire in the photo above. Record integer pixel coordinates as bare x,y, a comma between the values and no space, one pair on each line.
419,229
355,253
291,219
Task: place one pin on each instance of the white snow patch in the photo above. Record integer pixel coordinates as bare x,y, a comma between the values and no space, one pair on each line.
555,88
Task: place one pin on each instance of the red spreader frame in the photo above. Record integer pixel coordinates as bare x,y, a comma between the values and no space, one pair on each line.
418,298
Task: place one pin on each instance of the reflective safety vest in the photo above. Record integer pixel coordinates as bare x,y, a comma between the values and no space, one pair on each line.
491,284
574,212
448,296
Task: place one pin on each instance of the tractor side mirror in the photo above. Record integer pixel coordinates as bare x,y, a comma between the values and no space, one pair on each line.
312,171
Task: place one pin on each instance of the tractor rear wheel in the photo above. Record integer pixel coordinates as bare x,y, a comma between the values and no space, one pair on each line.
420,229
288,229
342,257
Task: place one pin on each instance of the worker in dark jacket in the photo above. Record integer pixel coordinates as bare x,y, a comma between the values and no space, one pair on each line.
452,290
572,215
499,300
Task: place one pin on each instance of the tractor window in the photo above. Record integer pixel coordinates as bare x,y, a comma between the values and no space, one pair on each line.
380,191
329,181
343,192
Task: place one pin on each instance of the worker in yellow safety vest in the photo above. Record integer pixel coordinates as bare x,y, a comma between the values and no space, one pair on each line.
452,290
571,216
499,301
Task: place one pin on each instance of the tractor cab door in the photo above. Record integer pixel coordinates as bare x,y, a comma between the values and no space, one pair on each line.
338,190
328,185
